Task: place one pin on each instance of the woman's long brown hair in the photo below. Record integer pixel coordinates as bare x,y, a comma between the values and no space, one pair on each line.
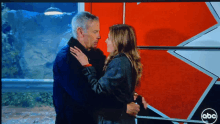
124,39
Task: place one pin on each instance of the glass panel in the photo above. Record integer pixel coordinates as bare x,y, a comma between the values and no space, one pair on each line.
30,42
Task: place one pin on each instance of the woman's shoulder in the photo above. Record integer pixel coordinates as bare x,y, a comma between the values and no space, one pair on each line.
120,63
120,55
121,58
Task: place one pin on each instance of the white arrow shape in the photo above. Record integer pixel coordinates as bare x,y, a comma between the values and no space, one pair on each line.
208,60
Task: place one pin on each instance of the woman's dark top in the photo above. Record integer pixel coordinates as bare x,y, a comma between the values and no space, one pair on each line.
115,90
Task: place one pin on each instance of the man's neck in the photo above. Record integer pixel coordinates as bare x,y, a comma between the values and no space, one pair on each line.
83,44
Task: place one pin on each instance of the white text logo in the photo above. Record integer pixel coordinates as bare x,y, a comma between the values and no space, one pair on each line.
209,116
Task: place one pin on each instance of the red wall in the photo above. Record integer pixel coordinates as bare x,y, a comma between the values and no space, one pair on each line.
170,85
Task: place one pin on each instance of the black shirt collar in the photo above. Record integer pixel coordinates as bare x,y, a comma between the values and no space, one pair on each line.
74,42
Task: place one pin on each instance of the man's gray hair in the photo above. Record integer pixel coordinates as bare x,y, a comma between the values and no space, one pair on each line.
80,20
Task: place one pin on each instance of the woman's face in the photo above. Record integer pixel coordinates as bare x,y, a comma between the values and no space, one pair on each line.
110,45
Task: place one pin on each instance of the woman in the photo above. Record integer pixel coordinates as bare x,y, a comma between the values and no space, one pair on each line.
123,70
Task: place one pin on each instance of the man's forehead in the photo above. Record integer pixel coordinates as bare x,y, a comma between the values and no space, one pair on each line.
93,24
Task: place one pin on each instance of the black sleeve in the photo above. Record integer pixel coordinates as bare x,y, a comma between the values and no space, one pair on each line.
111,85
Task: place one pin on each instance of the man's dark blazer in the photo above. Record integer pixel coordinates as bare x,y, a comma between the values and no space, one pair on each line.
73,99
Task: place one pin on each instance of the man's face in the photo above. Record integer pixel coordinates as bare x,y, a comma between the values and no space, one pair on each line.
92,35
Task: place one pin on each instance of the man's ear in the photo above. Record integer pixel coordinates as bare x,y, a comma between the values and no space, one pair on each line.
80,32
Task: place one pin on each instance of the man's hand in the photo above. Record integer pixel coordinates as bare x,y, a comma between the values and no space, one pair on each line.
132,109
145,104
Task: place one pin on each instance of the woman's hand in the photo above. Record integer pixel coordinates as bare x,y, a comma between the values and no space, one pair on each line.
80,56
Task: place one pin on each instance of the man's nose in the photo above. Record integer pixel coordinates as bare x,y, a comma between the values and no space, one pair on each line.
98,36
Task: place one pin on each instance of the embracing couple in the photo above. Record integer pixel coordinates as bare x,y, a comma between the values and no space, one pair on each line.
90,88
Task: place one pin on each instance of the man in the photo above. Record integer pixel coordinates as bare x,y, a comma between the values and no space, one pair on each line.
73,99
